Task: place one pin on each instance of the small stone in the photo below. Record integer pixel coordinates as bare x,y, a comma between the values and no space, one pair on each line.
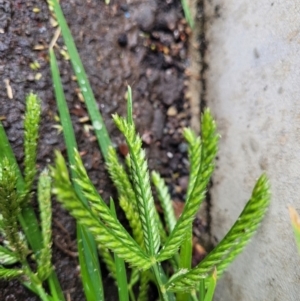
145,16
124,7
132,40
172,111
122,40
158,124
183,147
38,76
178,189
147,137
30,77
183,182
36,10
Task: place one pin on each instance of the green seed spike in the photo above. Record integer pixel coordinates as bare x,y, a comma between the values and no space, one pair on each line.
44,199
9,274
199,178
7,256
143,287
31,134
98,206
141,184
126,195
232,244
10,209
108,260
165,200
107,234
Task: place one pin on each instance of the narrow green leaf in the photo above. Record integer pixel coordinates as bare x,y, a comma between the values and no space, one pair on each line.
187,13
62,107
212,283
88,259
232,244
202,290
86,90
129,105
90,269
31,229
120,268
141,184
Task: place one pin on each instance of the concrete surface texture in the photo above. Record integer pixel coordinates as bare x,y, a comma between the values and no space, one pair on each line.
253,89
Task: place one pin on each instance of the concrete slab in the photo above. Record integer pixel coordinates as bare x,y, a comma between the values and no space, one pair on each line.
253,89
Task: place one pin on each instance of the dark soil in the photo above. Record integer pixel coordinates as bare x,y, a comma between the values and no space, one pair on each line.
143,44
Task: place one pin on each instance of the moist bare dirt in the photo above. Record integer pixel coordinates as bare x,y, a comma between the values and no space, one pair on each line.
140,43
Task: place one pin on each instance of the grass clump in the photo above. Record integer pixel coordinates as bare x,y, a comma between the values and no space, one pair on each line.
24,240
153,241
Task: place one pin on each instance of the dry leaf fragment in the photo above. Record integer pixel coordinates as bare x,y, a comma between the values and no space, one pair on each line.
8,88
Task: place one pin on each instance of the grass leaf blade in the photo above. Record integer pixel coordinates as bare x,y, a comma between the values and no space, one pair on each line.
91,277
86,90
86,246
187,12
212,283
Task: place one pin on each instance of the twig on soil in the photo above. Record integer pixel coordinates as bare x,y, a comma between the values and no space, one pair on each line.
66,251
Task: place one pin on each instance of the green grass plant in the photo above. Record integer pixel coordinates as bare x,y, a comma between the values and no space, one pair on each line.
146,255
87,249
15,211
154,249
151,240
